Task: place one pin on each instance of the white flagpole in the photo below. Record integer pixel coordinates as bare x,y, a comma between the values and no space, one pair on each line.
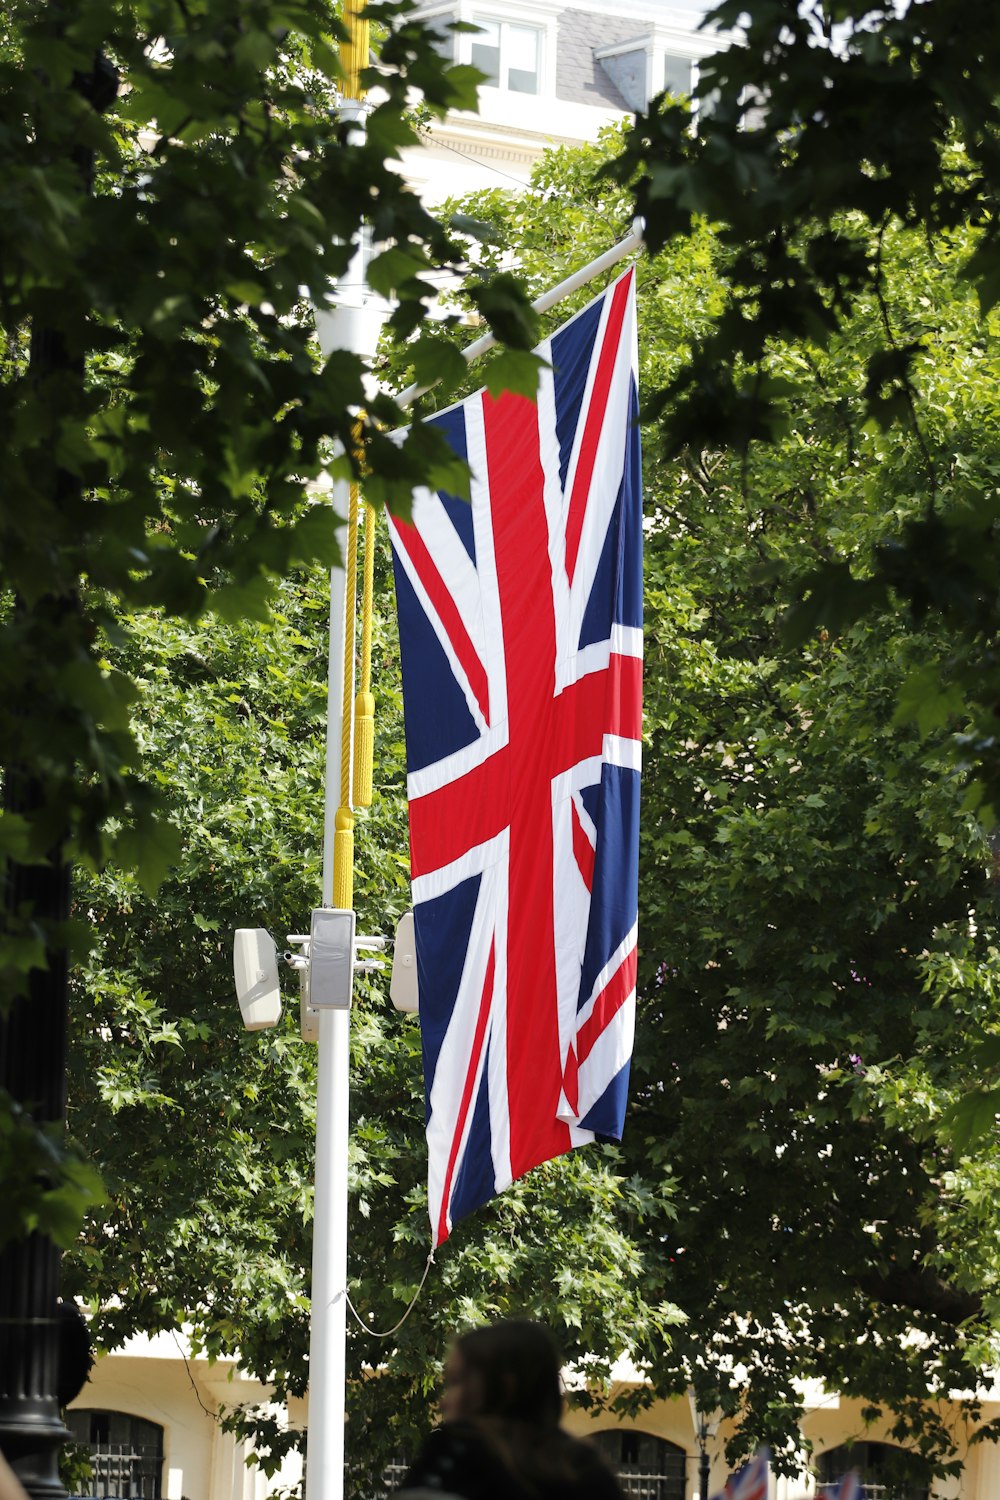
328,1324
351,326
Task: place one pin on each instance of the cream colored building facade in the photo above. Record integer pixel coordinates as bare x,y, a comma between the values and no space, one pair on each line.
156,1384
171,1396
829,1424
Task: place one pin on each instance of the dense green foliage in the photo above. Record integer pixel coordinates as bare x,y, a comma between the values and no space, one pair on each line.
818,943
204,1133
818,918
810,1169
177,188
159,429
825,126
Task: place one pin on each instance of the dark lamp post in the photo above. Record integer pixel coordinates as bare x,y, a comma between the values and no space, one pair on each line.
706,1425
44,1350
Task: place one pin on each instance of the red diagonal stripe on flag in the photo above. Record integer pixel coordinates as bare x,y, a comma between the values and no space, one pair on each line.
594,423
470,1082
447,613
607,1005
570,1088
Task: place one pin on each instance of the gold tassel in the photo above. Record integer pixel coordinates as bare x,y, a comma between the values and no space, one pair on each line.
364,749
343,859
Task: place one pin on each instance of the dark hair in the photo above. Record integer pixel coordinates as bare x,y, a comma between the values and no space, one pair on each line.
511,1446
518,1367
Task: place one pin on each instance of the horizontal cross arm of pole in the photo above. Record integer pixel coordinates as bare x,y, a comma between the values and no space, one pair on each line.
543,303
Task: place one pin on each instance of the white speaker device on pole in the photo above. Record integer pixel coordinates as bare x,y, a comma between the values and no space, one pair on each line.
403,983
255,969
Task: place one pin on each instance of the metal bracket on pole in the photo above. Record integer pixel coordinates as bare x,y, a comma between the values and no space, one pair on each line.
326,962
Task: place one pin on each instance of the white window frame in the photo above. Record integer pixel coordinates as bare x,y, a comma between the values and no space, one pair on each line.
540,15
666,42
676,55
503,25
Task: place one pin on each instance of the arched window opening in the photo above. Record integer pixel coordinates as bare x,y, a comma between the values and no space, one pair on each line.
126,1453
885,1471
648,1467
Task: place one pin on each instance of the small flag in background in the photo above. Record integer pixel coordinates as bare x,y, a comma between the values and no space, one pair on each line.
848,1488
751,1481
520,624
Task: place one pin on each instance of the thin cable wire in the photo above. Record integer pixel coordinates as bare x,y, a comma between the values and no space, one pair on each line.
194,1386
388,1333
488,166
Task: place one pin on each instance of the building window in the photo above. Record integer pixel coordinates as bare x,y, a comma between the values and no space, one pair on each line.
648,1467
509,55
677,76
126,1453
881,1468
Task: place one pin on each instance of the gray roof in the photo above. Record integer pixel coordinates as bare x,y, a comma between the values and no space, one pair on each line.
580,78
618,82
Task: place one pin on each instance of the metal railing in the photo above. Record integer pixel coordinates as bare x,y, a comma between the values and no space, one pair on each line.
872,1491
664,1483
393,1474
125,1471
637,1482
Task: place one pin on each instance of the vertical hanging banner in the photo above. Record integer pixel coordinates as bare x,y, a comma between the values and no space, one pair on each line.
520,622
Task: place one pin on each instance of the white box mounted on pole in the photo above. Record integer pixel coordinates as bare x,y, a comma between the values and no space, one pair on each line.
403,990
331,959
255,969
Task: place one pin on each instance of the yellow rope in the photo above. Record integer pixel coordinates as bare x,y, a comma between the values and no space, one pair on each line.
354,57
354,52
364,703
343,838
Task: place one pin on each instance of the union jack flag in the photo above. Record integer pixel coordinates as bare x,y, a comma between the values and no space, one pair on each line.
848,1488
750,1483
520,622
